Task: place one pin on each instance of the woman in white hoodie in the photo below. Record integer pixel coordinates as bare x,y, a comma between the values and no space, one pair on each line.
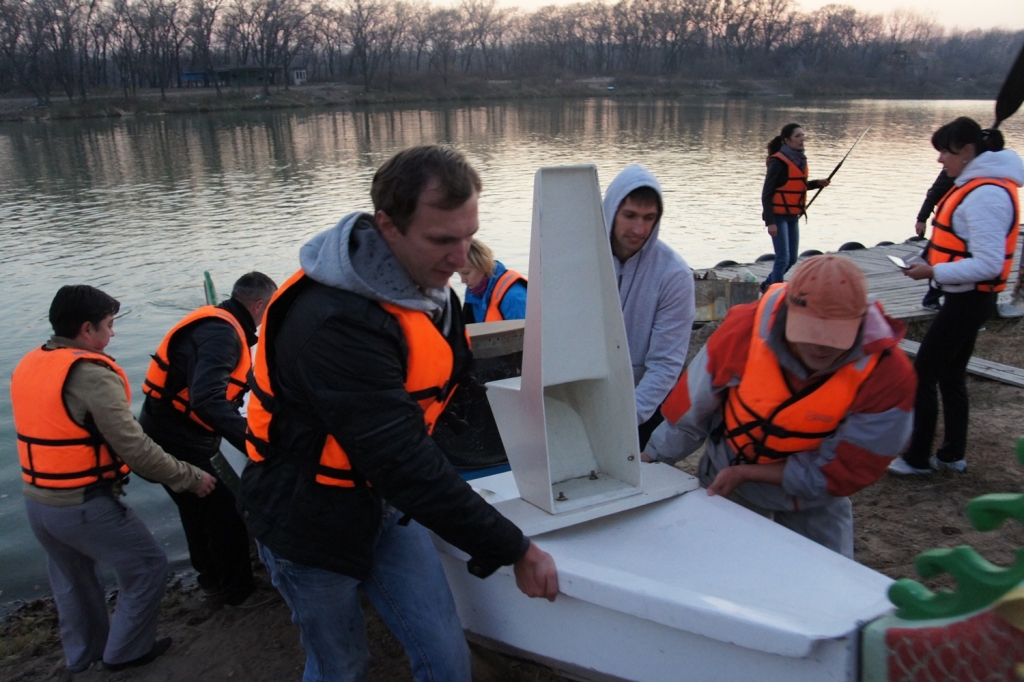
969,257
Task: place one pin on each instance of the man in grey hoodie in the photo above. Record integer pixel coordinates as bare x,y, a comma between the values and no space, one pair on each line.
655,290
360,350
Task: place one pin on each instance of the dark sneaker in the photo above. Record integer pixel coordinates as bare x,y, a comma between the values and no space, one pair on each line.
959,466
900,467
160,648
934,306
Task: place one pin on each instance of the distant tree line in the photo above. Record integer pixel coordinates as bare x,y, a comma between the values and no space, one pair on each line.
70,48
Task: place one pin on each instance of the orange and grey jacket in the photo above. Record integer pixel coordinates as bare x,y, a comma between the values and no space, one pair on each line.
946,246
156,383
765,420
55,451
837,459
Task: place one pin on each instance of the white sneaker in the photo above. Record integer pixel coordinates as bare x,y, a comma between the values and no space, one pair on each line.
900,467
959,466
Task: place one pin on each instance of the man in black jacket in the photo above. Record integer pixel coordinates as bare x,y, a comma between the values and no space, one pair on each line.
359,354
194,389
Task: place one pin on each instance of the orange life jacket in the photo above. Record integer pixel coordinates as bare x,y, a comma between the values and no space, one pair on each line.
789,199
765,421
155,385
501,287
429,381
54,450
946,246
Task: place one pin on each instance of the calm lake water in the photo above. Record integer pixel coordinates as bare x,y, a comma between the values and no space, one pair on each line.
141,207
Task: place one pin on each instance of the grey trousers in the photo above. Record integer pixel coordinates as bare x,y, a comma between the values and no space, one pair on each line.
76,539
829,524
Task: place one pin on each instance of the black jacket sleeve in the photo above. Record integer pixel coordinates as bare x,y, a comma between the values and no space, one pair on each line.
776,177
216,353
353,371
942,184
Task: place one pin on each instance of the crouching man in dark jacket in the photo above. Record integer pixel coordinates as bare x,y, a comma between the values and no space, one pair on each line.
359,354
194,388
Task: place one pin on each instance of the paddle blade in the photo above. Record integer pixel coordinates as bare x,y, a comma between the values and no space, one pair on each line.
1011,95
211,293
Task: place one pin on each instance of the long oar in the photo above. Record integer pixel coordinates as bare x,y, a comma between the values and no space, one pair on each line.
834,171
225,472
1010,97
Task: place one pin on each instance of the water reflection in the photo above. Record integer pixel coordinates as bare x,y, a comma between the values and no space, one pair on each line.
141,206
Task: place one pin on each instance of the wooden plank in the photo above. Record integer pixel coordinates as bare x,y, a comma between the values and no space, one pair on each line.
979,367
901,296
493,339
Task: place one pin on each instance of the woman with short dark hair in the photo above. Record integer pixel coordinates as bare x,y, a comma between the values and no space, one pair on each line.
784,196
969,257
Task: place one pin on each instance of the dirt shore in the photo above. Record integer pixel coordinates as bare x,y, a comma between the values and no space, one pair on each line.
896,519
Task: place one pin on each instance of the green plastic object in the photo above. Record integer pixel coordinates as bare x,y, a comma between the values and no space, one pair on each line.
978,582
208,288
989,511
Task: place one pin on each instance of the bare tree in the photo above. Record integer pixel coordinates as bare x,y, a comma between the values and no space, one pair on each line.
445,28
364,20
23,34
479,18
200,32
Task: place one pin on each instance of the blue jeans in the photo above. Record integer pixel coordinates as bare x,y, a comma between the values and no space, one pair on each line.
787,246
408,588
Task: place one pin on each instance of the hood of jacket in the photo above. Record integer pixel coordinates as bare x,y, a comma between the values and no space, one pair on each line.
631,177
1002,164
353,256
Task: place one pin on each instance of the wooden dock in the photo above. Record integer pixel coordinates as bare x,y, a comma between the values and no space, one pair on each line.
900,295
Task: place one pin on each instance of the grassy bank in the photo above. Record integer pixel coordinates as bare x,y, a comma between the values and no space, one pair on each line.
430,89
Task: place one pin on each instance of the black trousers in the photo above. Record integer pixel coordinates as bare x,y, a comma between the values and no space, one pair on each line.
941,366
648,427
218,542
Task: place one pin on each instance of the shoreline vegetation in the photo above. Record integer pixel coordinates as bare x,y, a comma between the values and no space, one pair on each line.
414,50
895,520
467,91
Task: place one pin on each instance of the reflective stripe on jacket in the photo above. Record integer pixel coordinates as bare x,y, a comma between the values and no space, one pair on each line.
789,198
155,385
54,450
501,287
429,381
946,246
764,420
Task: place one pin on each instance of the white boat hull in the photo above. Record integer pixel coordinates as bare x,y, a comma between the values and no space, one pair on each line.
686,589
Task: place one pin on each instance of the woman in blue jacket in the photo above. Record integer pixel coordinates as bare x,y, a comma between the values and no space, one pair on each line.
493,292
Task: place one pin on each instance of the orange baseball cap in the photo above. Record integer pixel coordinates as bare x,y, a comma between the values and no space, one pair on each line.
827,299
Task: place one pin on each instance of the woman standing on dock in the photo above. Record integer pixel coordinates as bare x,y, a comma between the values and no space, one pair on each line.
784,197
970,255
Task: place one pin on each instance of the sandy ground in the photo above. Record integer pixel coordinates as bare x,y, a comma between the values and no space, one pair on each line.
896,519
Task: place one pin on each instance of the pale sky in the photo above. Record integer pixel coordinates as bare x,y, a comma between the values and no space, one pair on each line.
965,14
